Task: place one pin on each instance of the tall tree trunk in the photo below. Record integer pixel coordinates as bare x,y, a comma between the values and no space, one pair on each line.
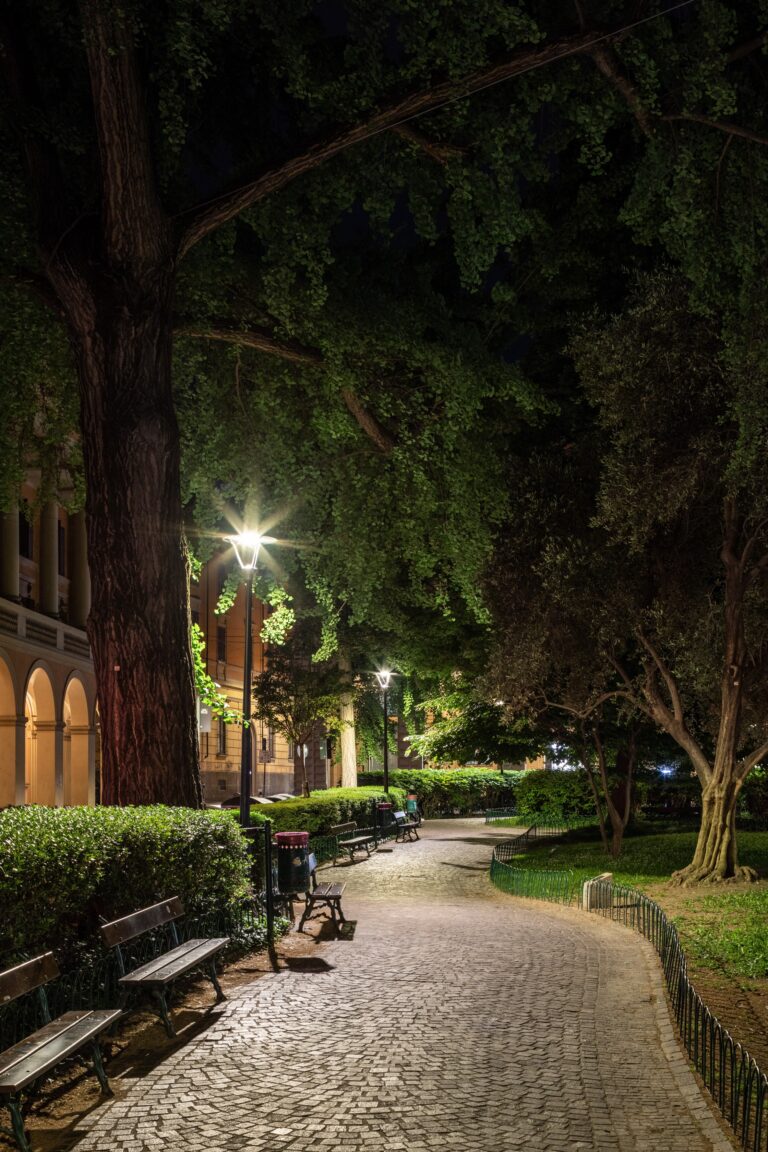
347,717
139,620
716,856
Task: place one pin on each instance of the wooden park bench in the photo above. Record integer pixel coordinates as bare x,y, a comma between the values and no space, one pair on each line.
349,843
322,896
57,1040
405,828
158,975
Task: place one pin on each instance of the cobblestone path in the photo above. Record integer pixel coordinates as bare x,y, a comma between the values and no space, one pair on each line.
455,1018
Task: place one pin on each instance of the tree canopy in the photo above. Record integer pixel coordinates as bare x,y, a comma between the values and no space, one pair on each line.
335,252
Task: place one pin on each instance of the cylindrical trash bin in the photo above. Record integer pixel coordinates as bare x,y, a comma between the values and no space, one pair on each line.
292,861
384,817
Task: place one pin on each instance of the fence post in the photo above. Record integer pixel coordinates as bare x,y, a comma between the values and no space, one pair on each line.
269,893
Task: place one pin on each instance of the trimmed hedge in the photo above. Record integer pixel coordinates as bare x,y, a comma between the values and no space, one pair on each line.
63,868
462,790
318,812
549,796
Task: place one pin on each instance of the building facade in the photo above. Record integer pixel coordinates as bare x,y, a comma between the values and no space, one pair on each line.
49,725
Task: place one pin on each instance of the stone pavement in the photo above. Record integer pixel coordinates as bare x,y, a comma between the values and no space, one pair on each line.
456,1017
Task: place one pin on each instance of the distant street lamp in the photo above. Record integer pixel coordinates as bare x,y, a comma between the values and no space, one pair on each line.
246,546
384,677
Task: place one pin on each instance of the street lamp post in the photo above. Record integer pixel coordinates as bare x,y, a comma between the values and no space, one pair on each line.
384,677
246,546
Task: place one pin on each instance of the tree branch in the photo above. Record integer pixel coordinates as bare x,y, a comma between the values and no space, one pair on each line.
135,231
442,153
749,762
219,211
666,675
262,341
39,287
606,63
747,48
721,126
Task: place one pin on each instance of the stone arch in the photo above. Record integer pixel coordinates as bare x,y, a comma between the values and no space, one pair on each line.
42,744
11,738
79,744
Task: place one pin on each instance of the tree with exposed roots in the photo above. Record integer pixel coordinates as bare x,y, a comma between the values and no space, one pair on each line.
637,572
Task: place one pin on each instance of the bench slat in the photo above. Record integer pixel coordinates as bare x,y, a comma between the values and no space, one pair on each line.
50,1045
163,969
128,927
324,891
27,976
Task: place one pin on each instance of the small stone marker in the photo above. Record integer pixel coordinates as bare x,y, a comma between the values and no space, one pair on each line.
597,892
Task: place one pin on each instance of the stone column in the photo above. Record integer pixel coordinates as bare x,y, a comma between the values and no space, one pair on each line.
79,575
9,555
11,760
48,563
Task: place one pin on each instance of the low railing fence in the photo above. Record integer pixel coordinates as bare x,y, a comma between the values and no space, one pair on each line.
731,1076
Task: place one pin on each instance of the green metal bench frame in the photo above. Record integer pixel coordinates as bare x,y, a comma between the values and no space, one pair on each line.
22,1066
351,844
322,895
159,975
405,827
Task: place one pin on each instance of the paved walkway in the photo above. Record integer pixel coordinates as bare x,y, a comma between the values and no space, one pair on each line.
456,1018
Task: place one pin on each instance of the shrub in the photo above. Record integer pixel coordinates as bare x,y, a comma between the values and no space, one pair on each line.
318,812
549,796
463,790
63,868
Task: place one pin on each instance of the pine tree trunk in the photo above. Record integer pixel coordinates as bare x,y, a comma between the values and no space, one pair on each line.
139,620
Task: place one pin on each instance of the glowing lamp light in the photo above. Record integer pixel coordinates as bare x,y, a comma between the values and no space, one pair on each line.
247,546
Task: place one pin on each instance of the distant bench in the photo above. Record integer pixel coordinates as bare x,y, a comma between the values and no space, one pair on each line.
346,842
44,1049
159,974
405,828
322,896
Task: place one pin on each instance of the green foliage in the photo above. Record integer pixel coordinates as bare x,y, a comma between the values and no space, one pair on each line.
63,868
293,695
548,796
449,790
207,688
319,811
468,728
281,618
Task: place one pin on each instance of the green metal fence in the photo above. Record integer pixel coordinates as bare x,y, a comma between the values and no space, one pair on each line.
539,884
494,814
731,1076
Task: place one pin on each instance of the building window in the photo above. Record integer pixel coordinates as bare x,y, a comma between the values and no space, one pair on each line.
221,644
62,542
25,533
221,739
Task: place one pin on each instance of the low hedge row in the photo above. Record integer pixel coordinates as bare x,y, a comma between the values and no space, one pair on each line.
551,796
459,790
318,812
63,868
